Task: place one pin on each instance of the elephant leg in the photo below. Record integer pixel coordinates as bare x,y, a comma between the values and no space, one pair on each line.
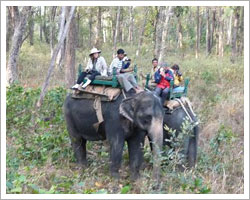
116,149
192,148
135,149
79,147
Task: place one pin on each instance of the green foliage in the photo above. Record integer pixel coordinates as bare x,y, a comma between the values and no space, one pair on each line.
224,136
35,138
125,189
208,77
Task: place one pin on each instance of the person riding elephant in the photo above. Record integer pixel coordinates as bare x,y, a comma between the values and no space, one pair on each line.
129,119
126,79
163,76
96,66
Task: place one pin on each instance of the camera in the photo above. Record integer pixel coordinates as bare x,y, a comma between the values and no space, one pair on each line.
178,73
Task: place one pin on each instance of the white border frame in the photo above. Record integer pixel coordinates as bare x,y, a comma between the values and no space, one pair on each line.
125,3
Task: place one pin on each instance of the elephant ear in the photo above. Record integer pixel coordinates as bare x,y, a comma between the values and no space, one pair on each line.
127,109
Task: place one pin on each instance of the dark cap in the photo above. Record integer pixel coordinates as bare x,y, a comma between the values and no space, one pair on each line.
120,51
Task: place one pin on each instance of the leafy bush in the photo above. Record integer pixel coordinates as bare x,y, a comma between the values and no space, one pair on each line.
37,136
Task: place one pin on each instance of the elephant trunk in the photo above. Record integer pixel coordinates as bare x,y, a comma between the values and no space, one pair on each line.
155,133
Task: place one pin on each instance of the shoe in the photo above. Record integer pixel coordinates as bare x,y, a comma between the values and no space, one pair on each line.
75,86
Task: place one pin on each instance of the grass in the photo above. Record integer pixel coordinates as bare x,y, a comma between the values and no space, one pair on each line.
40,158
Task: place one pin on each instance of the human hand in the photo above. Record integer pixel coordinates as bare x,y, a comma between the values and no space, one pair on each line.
162,73
178,73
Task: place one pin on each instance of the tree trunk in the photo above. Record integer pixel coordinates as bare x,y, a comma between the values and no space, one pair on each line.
212,28
99,35
131,25
155,29
52,28
90,27
197,32
180,37
142,32
169,13
208,32
70,53
235,35
221,33
120,27
31,28
229,30
53,59
158,32
201,23
45,29
241,32
40,25
60,56
116,30
9,28
78,40
12,71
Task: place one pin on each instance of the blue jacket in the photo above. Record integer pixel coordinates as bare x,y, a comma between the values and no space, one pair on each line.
125,66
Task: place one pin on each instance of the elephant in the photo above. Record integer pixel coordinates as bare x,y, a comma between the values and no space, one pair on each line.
174,120
129,119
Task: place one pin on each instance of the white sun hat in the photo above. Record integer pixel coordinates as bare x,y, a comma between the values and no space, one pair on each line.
94,50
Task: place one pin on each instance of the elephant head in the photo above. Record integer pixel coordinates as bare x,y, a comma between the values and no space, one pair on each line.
144,112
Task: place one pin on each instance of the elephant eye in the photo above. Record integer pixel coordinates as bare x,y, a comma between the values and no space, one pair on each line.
147,119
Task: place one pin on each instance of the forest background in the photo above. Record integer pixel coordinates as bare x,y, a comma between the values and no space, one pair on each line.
45,45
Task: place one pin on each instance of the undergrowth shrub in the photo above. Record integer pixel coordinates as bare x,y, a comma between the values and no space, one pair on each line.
36,136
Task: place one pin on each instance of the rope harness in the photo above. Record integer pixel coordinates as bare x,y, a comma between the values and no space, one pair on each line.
195,123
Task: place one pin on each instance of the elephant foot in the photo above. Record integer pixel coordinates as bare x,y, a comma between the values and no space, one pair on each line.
82,164
134,176
115,175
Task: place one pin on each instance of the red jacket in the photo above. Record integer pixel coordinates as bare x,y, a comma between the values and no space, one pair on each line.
165,81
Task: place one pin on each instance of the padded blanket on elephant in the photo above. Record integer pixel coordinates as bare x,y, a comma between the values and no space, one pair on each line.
172,104
92,91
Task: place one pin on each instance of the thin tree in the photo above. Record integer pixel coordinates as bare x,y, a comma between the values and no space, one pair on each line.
235,34
158,31
168,14
53,59
155,28
213,27
90,26
221,33
40,24
120,27
70,52
52,28
131,24
142,31
10,28
197,50
229,29
21,23
99,35
45,28
31,27
241,32
61,53
208,31
116,30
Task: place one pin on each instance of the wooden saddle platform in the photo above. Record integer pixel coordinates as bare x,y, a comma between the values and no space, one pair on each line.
92,91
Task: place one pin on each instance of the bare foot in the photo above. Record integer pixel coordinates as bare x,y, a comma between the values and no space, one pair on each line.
138,90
